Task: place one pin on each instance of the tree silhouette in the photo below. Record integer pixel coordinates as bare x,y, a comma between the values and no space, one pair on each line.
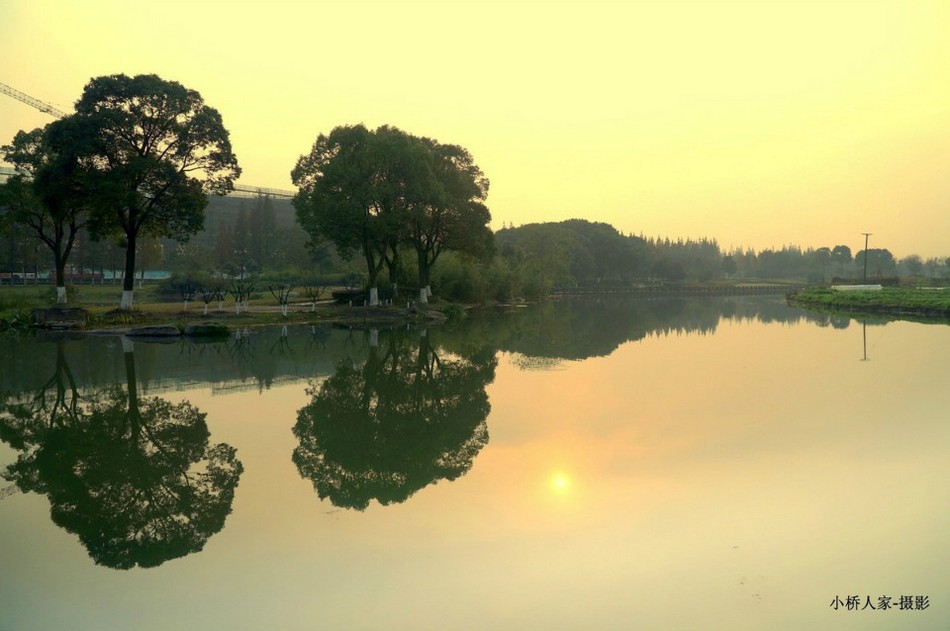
135,478
46,194
155,151
401,421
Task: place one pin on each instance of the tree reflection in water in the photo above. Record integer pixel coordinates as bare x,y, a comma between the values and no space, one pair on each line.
134,477
410,416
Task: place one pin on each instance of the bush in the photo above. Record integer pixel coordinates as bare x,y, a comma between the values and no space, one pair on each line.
503,283
460,279
15,312
454,312
171,288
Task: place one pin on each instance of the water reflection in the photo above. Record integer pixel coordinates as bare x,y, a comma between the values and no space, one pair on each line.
134,477
409,416
579,328
653,472
258,359
389,413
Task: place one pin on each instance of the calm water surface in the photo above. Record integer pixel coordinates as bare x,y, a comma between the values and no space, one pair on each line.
678,464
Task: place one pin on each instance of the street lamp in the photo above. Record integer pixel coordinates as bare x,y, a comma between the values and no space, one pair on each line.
866,235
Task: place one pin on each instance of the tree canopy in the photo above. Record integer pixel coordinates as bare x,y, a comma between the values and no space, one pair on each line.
49,192
374,191
156,150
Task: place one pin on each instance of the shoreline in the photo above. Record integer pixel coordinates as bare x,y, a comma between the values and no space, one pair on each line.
921,305
146,324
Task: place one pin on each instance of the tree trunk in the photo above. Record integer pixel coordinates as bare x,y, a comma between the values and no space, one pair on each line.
128,280
424,268
125,304
393,264
60,263
373,267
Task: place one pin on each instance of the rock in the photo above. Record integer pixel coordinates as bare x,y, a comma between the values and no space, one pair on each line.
207,329
163,331
60,317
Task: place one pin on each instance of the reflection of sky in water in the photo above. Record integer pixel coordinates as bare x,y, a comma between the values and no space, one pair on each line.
739,479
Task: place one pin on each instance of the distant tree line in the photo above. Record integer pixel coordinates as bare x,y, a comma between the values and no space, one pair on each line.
260,237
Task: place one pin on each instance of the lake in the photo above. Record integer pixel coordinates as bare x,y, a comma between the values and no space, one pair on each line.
717,463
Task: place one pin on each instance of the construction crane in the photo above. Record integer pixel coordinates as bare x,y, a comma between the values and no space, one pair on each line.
29,100
240,190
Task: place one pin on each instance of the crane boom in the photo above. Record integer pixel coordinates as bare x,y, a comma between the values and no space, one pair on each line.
29,100
239,189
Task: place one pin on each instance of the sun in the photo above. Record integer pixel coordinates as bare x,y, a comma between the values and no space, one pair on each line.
560,483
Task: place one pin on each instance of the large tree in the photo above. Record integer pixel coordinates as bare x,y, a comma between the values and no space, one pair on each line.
374,191
452,214
157,151
47,194
351,188
337,200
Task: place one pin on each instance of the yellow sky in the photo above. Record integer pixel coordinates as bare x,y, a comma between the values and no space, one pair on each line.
758,124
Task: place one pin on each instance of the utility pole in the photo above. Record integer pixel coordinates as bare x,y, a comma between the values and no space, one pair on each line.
866,235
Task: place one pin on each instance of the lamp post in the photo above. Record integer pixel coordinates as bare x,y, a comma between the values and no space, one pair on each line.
866,235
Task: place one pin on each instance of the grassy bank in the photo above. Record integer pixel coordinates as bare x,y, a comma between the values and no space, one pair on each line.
904,303
17,303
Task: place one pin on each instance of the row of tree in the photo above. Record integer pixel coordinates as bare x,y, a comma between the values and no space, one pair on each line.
139,155
240,236
579,253
133,166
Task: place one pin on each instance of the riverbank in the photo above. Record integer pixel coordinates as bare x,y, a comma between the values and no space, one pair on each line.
160,316
931,305
18,305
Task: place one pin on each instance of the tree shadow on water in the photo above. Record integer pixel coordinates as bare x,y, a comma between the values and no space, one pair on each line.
135,478
406,418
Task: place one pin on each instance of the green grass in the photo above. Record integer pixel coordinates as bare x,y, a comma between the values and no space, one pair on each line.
920,303
101,303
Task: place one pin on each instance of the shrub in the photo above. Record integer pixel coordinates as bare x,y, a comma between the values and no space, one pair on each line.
454,312
460,278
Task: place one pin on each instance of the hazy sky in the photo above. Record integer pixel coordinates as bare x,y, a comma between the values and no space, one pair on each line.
758,124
